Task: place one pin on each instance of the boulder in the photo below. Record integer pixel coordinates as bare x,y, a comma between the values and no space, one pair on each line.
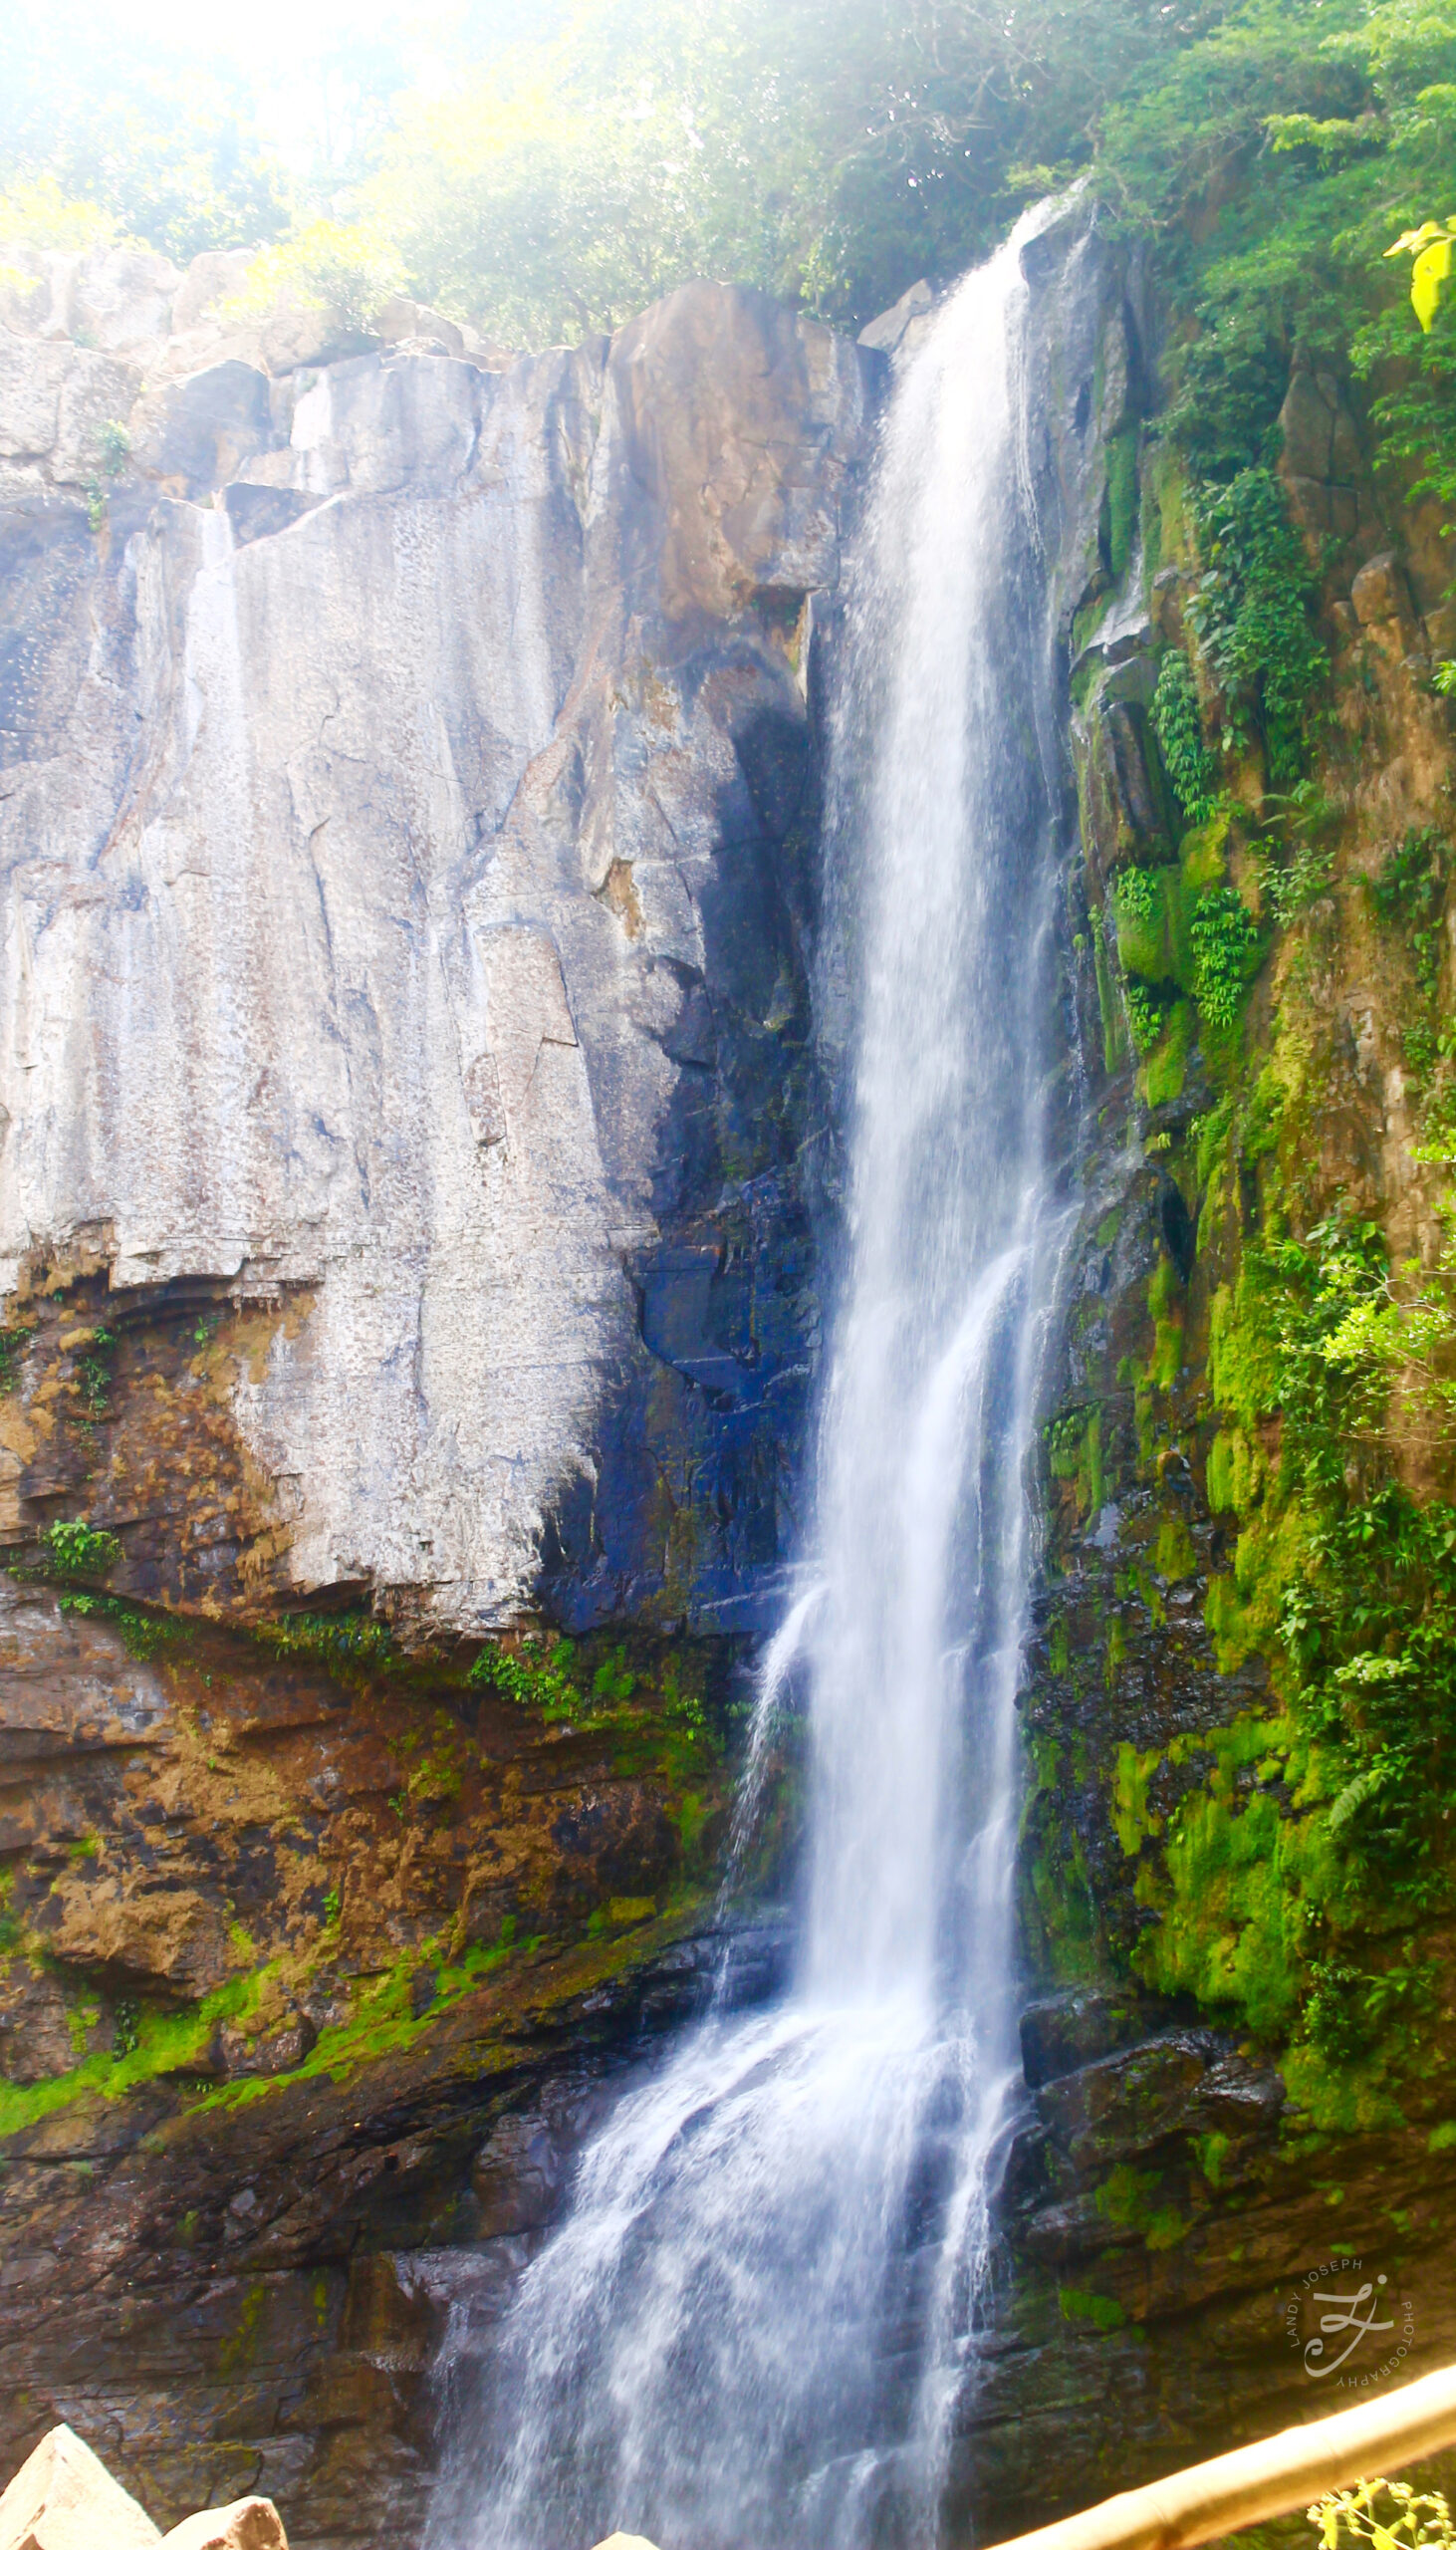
1380,592
214,277
193,433
249,2523
64,2498
900,330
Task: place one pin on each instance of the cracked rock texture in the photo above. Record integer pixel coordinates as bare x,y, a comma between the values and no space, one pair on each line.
407,785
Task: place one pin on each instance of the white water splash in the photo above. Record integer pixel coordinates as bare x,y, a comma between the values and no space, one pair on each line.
758,2318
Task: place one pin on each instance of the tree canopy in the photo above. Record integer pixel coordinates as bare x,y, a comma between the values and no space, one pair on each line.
545,167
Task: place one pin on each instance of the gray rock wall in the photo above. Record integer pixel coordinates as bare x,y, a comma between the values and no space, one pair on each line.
405,900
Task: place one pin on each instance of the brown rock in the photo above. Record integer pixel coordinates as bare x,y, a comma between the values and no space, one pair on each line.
173,1939
731,408
64,2498
216,276
35,2030
1306,425
1379,590
269,2052
249,2523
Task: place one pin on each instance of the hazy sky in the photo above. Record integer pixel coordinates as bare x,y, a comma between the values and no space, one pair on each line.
274,31
283,45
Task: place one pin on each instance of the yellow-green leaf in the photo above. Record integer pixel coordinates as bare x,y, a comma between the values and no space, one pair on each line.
1429,272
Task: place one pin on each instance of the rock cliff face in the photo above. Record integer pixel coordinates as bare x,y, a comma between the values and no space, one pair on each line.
409,1137
406,795
413,1142
1202,2140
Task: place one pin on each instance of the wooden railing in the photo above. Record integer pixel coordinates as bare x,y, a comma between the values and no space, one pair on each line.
1290,2471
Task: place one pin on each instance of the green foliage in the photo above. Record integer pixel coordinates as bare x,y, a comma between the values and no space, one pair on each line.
1224,415
94,1374
1429,247
613,1679
1148,1005
1304,875
1347,2011
141,1632
1250,614
1409,2521
1178,726
13,1343
1272,159
835,151
1138,893
537,1673
1280,1897
103,136
331,1638
349,268
37,211
1226,953
1075,1453
1102,2311
1410,893
79,1550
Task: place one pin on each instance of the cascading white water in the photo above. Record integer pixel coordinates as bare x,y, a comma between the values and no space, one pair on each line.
756,2320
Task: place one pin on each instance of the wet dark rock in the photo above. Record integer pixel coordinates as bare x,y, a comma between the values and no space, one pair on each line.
1069,2029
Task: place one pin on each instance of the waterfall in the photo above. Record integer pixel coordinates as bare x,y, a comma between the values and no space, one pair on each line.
759,2316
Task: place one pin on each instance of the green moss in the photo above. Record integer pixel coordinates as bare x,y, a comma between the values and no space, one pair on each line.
1139,905
1165,1307
1243,1613
237,2351
152,2045
1102,2309
1235,1873
1086,624
1133,1820
1203,857
1075,1451
1059,1909
1243,1357
1110,1007
1173,1555
1165,1068
1121,500
1222,1473
1212,2150
1128,2197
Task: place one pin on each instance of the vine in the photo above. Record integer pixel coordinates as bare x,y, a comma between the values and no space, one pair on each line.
1250,614
1226,951
1410,892
1178,726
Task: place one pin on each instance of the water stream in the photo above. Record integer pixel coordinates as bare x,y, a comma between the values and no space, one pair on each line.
758,2319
